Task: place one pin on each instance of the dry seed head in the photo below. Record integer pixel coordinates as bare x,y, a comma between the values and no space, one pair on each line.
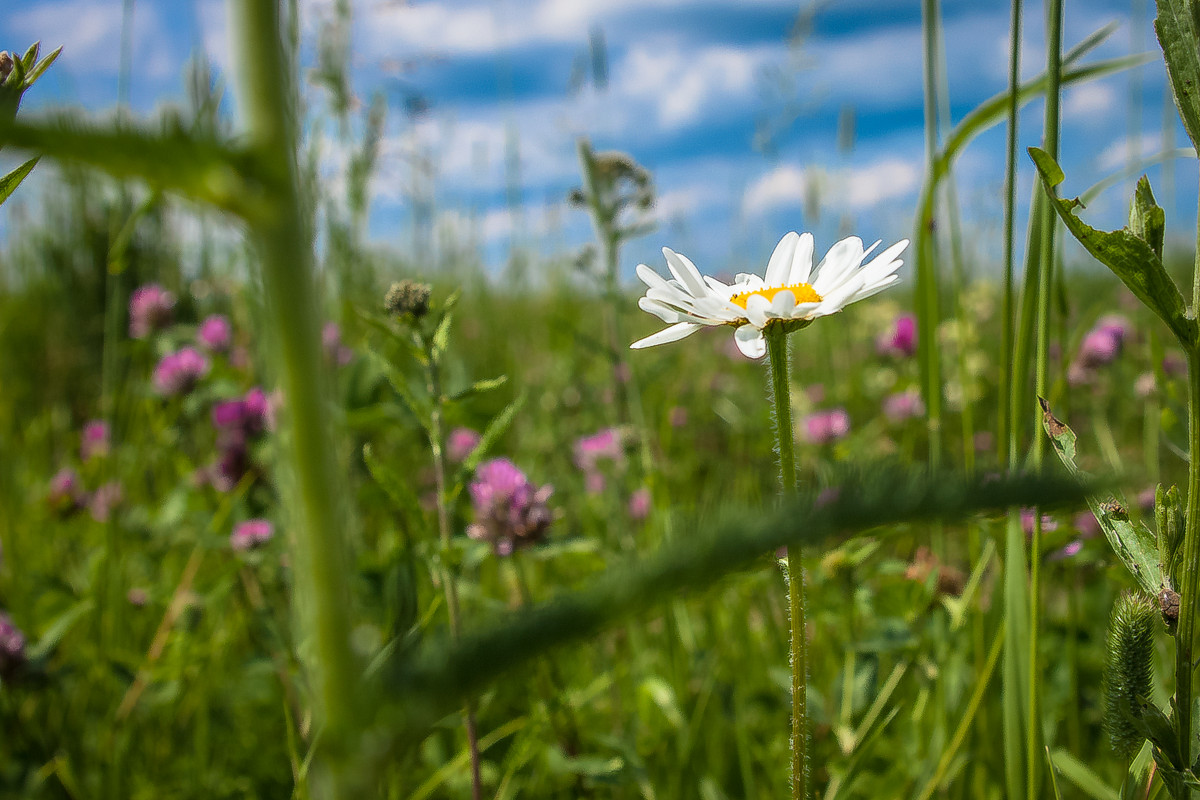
408,297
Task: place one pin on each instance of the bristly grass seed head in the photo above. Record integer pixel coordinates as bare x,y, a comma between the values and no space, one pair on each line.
1127,673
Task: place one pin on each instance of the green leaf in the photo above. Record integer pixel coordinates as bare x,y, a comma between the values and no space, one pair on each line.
10,182
31,55
41,67
1136,546
59,629
1081,776
1131,258
1146,219
419,407
491,434
390,481
432,682
479,387
1176,29
171,159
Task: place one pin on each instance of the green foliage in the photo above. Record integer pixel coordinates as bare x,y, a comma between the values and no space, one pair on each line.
1133,543
1177,30
1132,258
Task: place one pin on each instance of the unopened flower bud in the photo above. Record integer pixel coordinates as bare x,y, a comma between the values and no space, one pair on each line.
408,297
6,65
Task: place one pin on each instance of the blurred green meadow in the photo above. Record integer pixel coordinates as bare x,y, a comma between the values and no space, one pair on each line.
161,608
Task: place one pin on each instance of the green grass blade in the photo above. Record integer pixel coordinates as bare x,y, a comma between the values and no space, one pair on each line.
10,182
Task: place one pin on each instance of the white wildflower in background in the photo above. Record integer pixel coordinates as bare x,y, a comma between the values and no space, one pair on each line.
791,292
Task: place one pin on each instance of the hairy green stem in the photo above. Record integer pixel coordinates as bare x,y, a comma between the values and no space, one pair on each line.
1186,634
777,354
284,244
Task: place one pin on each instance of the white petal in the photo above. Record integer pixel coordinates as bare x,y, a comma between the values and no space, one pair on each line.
757,307
671,334
685,272
804,310
747,281
886,261
780,264
663,312
749,340
783,304
802,260
716,286
841,258
650,277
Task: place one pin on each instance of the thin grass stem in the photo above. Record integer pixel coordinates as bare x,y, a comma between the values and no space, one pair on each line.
1033,762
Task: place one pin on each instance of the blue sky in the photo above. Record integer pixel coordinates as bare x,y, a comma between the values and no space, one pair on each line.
689,82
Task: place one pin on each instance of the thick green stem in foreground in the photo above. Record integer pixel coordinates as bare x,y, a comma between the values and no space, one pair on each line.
777,354
1186,635
284,246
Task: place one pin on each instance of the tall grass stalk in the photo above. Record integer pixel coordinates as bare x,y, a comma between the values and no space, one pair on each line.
1054,18
284,246
781,394
1033,736
927,304
1005,436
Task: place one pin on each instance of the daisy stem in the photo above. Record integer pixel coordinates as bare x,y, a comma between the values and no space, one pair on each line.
781,394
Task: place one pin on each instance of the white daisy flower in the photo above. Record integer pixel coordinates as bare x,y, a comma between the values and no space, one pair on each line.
792,293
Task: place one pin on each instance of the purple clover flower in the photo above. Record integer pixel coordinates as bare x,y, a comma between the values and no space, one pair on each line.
604,445
336,352
151,308
66,494
902,406
94,440
12,646
105,500
237,422
509,511
215,334
251,534
179,372
1027,519
825,427
901,341
461,443
639,504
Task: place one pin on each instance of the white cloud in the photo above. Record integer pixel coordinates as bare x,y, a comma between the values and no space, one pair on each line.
885,180
783,186
1120,153
90,34
681,84
1089,100
854,189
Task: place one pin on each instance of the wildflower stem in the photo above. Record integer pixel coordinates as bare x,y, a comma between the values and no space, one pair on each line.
437,444
284,244
777,354
1191,565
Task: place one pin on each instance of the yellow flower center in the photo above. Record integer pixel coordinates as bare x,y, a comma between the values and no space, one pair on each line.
804,294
